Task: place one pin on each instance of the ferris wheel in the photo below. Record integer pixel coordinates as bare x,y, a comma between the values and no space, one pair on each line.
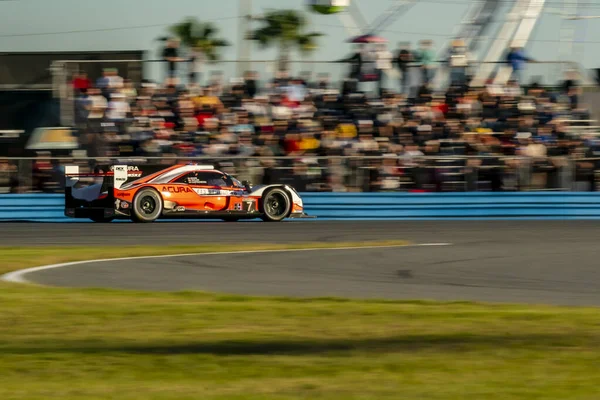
516,29
352,18
355,23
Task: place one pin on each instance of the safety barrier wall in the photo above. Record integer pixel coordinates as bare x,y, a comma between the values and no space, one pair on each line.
375,206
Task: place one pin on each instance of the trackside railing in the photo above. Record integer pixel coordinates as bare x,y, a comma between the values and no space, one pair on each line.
40,207
354,174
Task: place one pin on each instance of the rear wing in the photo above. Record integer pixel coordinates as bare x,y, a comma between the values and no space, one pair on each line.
96,198
118,175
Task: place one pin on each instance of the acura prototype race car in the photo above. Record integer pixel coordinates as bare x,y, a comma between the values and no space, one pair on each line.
178,191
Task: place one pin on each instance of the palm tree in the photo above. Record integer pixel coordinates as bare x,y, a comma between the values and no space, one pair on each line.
200,38
285,29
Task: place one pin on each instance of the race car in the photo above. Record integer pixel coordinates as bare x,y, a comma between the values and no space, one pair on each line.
178,191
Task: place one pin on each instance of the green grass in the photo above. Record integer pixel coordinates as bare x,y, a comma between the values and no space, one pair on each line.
108,344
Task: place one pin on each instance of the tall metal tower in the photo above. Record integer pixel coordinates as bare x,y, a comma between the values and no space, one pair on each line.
516,31
572,34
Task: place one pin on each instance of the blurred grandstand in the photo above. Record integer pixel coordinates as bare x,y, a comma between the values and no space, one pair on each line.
324,138
449,121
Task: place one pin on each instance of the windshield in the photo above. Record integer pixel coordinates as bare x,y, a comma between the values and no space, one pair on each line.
235,181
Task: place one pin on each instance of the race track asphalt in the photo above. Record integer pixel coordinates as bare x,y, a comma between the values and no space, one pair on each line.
499,261
515,236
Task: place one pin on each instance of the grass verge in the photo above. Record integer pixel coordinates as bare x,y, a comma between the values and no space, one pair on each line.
100,344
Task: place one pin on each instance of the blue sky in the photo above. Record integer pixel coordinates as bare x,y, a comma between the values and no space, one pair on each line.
24,22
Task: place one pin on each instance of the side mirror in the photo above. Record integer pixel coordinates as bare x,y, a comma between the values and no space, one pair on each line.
246,185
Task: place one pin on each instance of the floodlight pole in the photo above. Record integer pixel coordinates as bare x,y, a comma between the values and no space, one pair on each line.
245,11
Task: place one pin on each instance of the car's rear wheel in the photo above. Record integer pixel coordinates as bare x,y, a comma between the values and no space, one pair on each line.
275,205
147,206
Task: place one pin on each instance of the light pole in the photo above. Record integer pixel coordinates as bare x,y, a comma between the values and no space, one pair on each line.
243,64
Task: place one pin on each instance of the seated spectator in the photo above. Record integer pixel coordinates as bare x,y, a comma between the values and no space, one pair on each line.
81,82
393,139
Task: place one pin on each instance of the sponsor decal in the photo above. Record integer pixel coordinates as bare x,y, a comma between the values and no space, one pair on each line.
132,170
180,208
218,192
238,207
121,204
120,175
176,189
211,192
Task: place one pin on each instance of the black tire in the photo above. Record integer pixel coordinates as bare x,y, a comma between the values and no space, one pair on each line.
275,205
147,206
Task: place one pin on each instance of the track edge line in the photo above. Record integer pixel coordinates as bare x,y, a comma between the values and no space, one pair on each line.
18,275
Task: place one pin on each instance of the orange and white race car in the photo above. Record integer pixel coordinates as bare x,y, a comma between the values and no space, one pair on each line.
179,191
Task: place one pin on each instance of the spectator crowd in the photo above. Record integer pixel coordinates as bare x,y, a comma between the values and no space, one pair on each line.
317,136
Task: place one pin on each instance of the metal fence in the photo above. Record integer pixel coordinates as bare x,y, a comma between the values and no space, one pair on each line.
344,174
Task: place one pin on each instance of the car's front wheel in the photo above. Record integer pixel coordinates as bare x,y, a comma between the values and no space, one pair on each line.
275,205
147,206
